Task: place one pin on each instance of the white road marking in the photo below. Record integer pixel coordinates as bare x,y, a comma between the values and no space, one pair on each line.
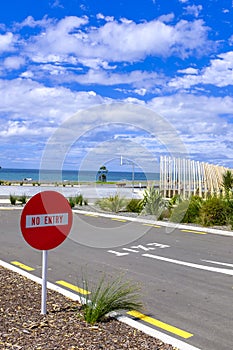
196,266
142,247
130,250
117,253
218,263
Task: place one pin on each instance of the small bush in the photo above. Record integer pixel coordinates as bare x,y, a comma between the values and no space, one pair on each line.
13,199
107,297
153,202
178,213
112,203
187,211
79,200
134,206
72,202
213,212
22,199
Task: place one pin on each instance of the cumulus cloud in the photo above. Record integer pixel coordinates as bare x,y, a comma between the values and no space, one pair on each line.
7,42
194,10
14,62
115,41
218,73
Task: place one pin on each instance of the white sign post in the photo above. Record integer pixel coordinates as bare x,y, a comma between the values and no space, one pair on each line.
44,281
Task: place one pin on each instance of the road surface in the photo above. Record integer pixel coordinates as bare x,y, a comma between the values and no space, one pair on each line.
186,276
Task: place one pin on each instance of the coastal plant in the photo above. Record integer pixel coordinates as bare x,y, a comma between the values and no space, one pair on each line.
135,205
112,203
22,199
213,212
227,182
13,199
187,211
72,202
110,296
79,199
153,202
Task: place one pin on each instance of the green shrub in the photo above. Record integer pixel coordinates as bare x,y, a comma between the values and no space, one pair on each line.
178,212
166,213
72,202
135,205
153,202
13,199
79,200
213,212
107,297
112,203
187,211
22,199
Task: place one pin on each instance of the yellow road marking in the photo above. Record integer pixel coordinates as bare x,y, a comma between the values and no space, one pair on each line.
152,225
73,287
122,220
160,324
5,208
198,232
22,266
95,216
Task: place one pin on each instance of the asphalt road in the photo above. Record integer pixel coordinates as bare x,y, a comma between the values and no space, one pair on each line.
186,277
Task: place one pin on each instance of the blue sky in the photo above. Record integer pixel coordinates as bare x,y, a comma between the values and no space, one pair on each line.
60,57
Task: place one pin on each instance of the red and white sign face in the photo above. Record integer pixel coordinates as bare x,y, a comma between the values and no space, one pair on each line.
46,220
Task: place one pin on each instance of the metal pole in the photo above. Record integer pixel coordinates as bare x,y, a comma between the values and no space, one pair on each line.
44,281
133,177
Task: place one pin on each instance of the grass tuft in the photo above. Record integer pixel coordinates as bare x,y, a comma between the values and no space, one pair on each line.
110,296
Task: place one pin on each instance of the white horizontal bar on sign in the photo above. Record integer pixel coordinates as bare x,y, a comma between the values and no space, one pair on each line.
44,220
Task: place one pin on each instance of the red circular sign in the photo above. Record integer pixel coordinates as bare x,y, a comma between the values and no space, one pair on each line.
46,220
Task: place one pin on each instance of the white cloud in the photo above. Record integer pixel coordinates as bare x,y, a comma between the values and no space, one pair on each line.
14,62
140,92
106,18
199,121
188,70
218,73
6,42
32,23
69,37
194,10
167,18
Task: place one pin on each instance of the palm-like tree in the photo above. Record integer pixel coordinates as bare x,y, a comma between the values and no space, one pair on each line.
103,173
227,181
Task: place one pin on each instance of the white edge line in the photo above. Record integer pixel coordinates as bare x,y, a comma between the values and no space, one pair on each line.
145,329
160,223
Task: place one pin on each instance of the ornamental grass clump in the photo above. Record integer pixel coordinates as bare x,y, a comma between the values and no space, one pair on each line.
107,297
112,203
153,202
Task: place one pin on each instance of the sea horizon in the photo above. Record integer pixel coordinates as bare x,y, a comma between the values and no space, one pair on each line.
19,174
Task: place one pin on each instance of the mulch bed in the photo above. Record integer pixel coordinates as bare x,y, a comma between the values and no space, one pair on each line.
23,327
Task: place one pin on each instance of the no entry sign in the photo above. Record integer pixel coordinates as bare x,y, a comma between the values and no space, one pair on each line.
46,220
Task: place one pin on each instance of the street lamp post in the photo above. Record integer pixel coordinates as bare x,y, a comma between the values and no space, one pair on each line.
128,162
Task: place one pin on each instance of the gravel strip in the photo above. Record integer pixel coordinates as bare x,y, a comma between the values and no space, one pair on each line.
23,327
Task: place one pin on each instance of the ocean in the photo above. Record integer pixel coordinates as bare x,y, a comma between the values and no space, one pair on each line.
71,175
